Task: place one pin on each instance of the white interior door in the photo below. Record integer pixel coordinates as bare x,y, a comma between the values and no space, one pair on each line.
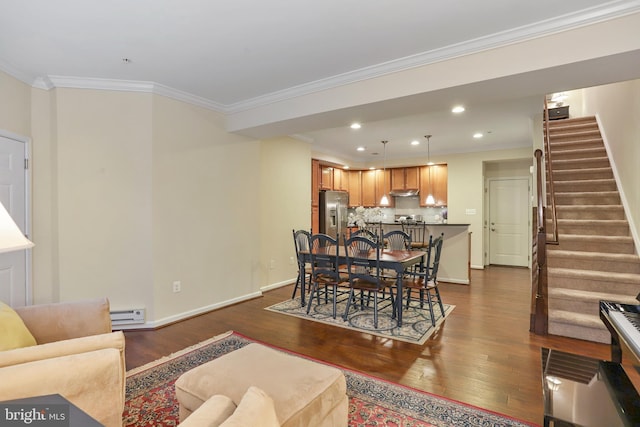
13,265
509,221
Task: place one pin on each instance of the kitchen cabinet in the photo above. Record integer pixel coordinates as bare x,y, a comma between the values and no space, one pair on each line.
326,177
434,180
369,188
354,187
315,183
405,178
375,183
383,186
339,179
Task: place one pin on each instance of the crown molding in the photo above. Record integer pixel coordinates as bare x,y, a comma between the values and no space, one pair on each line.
50,82
607,11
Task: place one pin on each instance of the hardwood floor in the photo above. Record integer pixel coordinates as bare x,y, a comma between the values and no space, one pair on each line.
483,354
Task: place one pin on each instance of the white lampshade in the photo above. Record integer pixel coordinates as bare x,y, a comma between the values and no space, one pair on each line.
384,201
430,200
11,238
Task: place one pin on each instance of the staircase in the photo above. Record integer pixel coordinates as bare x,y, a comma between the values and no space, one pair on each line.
596,257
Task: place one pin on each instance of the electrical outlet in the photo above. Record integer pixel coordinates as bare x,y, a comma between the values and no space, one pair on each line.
177,286
292,260
272,264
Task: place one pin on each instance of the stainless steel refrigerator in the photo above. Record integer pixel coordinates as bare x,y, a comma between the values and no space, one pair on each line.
333,213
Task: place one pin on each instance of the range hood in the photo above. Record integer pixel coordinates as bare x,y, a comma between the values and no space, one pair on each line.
403,193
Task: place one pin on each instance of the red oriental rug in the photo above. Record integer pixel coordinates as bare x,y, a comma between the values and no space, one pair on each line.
151,400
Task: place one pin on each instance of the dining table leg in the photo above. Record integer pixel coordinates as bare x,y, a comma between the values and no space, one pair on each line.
399,274
302,274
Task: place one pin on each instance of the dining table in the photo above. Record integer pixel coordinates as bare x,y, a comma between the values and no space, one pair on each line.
396,260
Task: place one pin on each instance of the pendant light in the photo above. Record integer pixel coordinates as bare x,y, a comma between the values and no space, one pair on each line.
384,201
430,200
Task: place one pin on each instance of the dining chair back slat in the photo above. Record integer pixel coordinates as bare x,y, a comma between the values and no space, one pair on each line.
397,240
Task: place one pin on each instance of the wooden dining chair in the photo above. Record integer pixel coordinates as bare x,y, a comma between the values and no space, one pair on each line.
418,233
365,274
425,280
302,242
325,270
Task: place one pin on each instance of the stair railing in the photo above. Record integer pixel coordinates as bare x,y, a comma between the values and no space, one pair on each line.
539,316
552,194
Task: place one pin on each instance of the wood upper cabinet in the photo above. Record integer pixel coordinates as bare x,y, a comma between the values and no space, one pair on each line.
405,178
354,187
375,183
434,180
368,188
340,179
315,183
326,177
383,186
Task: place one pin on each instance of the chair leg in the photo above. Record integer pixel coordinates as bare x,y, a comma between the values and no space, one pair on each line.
433,317
295,289
439,301
349,300
335,296
314,291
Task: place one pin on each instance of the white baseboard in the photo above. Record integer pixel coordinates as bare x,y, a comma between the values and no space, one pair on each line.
187,314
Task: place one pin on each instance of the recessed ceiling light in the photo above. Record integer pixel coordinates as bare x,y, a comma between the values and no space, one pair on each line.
415,142
360,148
457,109
345,167
356,125
477,135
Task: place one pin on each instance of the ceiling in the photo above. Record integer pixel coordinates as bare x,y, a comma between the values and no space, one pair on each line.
232,55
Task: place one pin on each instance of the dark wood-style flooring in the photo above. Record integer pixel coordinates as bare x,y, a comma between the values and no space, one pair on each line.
483,354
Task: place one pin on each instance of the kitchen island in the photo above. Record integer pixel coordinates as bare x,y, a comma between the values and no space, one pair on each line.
455,260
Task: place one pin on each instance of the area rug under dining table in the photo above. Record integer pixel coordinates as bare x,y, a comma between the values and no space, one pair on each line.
151,401
416,322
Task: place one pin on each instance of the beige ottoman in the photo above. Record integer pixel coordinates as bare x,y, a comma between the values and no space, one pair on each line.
305,393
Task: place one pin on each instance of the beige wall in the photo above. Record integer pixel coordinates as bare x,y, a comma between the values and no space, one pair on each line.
617,107
285,197
15,105
205,210
132,191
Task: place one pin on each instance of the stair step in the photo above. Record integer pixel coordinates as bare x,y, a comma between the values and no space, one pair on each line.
582,174
608,184
590,212
595,261
578,153
612,244
583,302
587,198
591,227
574,123
577,325
594,162
581,143
594,281
584,132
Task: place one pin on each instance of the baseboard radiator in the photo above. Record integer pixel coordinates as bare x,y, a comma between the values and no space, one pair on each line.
127,317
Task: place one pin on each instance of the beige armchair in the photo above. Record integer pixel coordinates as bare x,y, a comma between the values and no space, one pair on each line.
76,356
